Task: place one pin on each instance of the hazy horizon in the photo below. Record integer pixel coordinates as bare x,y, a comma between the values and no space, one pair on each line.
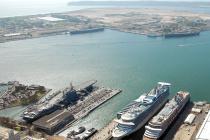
6,3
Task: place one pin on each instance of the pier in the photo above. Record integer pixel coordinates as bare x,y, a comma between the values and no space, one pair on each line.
187,131
99,97
179,130
105,133
53,111
90,103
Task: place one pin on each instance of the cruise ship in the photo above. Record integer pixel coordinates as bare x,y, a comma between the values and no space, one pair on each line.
159,123
138,112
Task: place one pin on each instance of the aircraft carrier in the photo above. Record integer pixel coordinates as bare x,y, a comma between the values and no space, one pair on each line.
136,114
50,103
159,123
182,34
91,30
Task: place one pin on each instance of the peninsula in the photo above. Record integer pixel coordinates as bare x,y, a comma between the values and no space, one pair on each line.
150,22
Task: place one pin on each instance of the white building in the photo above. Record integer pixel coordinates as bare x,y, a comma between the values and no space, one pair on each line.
204,132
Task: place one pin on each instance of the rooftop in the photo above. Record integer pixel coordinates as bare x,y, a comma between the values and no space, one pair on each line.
53,119
49,18
203,133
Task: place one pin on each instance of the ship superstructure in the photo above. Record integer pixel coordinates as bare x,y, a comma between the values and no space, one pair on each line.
137,113
159,123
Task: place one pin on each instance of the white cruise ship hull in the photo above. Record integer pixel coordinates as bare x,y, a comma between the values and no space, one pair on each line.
173,117
155,108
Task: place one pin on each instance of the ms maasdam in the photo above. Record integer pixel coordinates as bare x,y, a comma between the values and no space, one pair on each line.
159,123
138,112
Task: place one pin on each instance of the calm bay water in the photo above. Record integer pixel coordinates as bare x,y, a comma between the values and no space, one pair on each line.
131,62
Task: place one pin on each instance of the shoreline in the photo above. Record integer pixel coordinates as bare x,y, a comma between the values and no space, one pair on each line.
148,22
106,28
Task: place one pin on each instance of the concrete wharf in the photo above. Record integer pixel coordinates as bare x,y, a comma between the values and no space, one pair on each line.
101,96
105,133
179,130
90,103
189,131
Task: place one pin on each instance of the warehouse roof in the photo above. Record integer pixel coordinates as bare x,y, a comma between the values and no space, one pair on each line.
53,119
190,118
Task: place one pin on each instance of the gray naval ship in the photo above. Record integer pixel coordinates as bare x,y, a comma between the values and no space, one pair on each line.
159,123
138,112
50,103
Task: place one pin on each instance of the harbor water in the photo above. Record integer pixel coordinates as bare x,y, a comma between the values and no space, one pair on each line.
133,63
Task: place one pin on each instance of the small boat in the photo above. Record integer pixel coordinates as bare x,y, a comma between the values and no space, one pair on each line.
181,45
90,133
77,132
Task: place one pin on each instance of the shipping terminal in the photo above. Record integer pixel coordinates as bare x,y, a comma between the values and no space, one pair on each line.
151,116
178,119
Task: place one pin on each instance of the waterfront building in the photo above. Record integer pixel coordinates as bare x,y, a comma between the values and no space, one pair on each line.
204,133
54,121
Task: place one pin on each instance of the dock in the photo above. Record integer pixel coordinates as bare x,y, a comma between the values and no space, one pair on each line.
90,103
99,97
105,133
187,131
182,128
179,130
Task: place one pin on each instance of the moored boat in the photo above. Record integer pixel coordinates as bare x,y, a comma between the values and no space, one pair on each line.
138,112
159,123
